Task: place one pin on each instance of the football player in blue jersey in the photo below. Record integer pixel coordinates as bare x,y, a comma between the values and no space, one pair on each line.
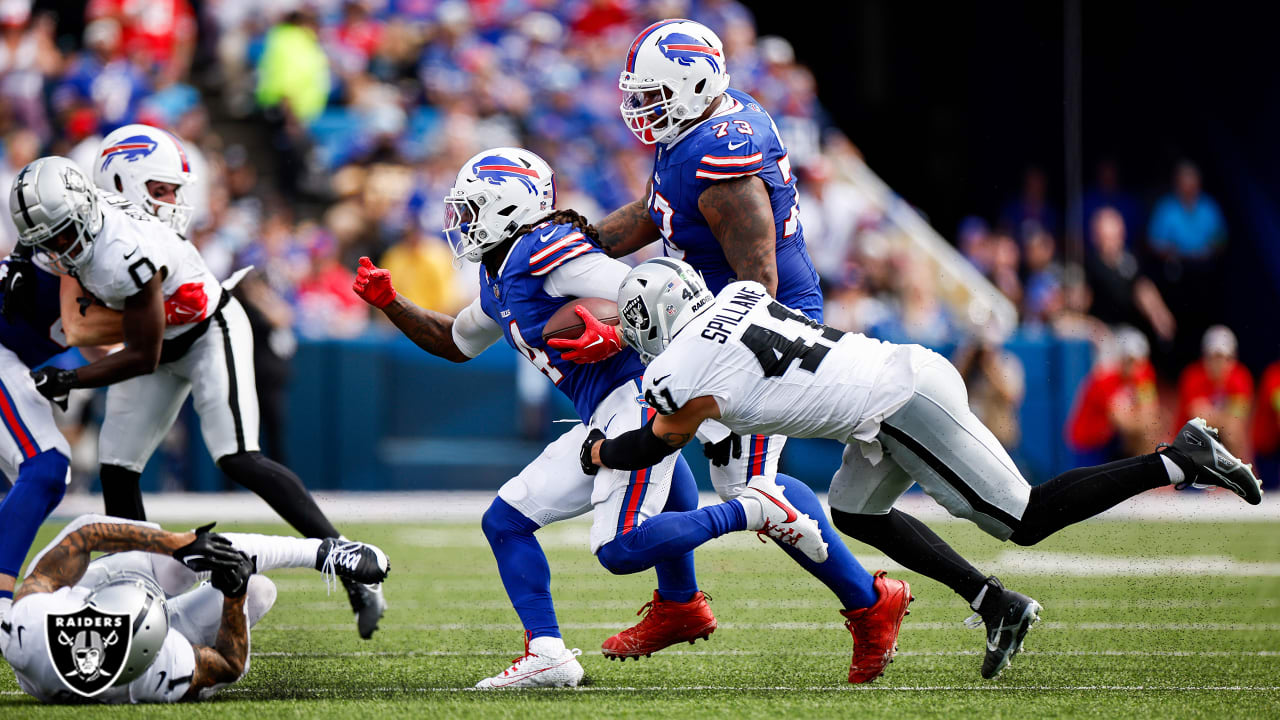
533,260
722,197
33,453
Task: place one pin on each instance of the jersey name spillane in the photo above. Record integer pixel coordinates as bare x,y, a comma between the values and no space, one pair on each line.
773,370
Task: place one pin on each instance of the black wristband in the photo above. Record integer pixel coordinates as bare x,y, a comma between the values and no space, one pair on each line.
635,450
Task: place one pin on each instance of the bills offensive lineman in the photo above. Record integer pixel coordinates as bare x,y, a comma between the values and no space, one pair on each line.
533,259
723,198
133,626
182,332
757,365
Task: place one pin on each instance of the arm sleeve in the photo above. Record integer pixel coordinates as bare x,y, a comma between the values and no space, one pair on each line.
591,275
473,331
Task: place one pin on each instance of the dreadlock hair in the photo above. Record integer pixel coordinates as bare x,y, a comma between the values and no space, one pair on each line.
493,257
563,217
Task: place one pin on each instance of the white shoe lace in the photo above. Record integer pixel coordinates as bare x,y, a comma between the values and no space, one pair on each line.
347,555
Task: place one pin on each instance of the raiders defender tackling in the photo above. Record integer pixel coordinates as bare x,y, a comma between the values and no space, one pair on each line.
758,366
130,627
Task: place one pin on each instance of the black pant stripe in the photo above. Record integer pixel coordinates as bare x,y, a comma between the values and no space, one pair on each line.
231,382
950,477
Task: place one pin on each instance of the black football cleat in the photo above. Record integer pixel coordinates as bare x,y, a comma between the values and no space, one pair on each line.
1215,466
351,560
368,604
1007,616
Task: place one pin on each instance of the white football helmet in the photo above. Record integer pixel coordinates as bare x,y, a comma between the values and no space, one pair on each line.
496,192
49,196
134,154
656,300
674,70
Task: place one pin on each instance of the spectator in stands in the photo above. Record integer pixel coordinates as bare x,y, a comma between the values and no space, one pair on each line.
1219,389
1004,272
1031,209
833,211
996,382
1266,427
1187,225
1121,293
1116,412
324,302
293,87
28,57
20,147
427,268
1039,256
159,35
1106,192
102,79
919,317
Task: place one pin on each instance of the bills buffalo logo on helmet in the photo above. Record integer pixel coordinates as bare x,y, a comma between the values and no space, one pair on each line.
636,313
496,170
132,149
88,648
686,50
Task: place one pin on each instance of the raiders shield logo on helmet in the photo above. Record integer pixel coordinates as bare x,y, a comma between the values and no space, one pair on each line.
88,648
636,313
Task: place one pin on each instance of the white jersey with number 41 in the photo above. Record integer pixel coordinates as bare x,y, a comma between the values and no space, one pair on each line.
774,371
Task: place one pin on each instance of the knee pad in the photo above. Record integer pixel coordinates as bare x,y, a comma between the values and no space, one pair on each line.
501,519
615,557
46,473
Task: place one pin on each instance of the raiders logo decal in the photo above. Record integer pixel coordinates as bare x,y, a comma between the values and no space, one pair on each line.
88,648
636,314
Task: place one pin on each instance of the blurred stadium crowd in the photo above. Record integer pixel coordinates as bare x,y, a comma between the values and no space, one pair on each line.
323,130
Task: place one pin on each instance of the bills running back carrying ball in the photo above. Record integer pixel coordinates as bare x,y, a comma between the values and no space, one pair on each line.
183,333
723,198
758,366
532,260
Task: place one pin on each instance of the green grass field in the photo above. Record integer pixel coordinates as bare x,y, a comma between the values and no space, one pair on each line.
1141,619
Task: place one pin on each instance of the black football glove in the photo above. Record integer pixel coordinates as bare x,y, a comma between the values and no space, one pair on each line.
54,383
19,285
207,552
720,453
584,456
232,579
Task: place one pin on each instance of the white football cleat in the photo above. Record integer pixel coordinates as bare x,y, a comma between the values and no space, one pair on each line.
555,667
783,522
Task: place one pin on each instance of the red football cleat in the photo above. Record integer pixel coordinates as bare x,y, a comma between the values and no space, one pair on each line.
664,624
875,629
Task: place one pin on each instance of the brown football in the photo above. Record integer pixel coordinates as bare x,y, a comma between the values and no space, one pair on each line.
565,323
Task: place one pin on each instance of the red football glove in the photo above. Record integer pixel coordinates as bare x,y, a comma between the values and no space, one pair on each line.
597,341
373,284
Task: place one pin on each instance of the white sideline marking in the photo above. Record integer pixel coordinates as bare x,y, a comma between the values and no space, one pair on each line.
796,688
809,653
468,506
805,604
513,627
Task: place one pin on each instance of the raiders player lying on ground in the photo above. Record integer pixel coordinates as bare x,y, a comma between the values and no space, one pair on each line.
134,627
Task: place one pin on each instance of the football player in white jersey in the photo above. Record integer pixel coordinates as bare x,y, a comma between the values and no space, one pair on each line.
757,366
134,626
183,333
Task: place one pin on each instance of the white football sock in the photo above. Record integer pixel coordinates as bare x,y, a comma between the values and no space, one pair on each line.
275,552
1175,473
753,506
547,646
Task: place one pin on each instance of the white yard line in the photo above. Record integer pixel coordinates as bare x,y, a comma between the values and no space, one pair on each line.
774,653
799,688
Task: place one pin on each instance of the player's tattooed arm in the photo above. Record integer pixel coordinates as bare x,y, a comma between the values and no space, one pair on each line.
430,330
740,215
225,661
627,229
85,322
65,563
